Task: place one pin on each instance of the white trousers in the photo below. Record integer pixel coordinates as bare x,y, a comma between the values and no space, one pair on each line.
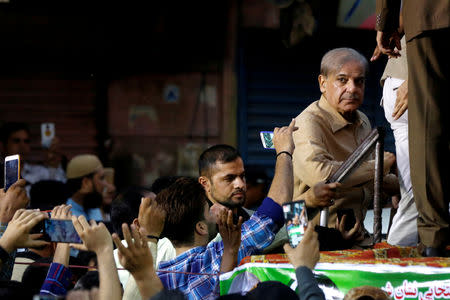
403,231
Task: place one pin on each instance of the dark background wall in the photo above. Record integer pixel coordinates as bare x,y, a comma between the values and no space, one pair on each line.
100,71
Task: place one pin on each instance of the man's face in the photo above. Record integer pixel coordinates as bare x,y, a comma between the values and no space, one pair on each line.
18,143
99,181
94,197
227,183
344,90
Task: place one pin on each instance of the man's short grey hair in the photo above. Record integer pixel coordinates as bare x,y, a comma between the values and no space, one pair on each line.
334,59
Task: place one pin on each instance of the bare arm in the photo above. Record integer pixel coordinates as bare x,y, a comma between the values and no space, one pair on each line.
96,238
281,189
62,251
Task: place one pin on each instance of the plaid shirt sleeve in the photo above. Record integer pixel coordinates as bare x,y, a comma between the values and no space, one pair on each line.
7,266
259,231
57,281
195,272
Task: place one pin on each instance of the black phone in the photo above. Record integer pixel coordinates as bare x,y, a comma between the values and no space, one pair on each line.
296,220
350,220
61,231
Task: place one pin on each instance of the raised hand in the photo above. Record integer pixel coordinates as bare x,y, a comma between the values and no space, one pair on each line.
216,211
307,252
151,217
231,238
62,251
95,236
62,212
136,257
138,260
17,234
230,233
282,138
15,198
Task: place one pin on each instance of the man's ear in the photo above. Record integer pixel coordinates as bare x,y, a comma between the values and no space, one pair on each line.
201,228
322,83
136,223
204,181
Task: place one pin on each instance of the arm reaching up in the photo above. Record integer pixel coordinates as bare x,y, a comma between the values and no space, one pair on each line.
304,258
62,252
281,189
59,276
96,238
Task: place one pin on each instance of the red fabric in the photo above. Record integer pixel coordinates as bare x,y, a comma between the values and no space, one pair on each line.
381,253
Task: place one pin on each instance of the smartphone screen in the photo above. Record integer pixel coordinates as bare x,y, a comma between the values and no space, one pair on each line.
267,139
12,170
296,221
61,231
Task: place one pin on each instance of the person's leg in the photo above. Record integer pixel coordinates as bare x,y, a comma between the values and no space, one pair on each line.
403,230
429,132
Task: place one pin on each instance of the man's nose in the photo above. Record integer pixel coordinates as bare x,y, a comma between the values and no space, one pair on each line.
352,86
239,182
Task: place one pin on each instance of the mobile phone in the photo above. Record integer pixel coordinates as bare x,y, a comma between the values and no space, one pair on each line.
296,220
61,231
47,134
267,139
12,170
350,220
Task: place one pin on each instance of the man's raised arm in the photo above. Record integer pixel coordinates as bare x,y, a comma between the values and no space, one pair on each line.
282,187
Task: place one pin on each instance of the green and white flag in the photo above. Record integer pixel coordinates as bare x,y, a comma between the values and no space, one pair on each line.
400,282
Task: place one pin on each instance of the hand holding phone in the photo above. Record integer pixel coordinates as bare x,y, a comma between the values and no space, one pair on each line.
296,219
95,237
307,253
12,200
12,170
61,231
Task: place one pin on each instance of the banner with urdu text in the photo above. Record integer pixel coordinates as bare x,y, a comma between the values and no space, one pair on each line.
335,279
